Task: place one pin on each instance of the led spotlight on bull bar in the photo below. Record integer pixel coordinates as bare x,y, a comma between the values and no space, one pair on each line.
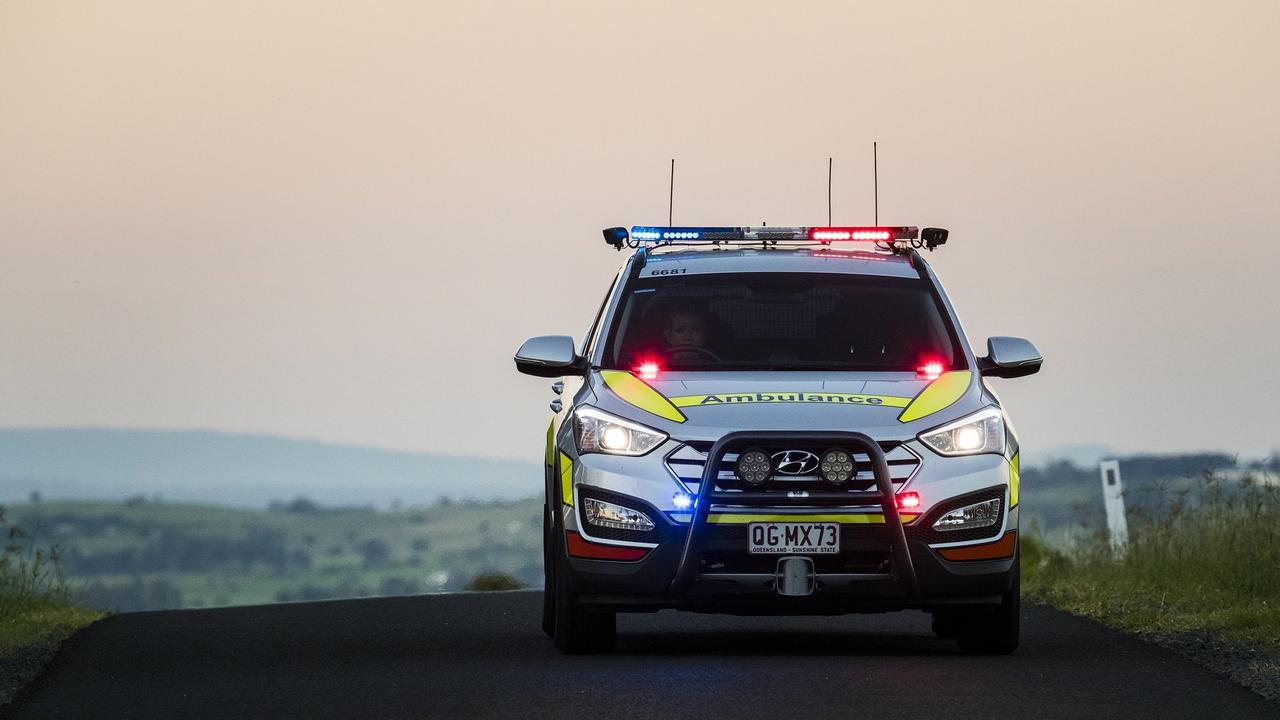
836,466
754,467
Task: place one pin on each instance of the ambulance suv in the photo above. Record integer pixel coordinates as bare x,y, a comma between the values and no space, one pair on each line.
779,420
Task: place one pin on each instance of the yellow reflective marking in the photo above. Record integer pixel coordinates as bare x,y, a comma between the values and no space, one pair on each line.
638,393
937,395
815,397
1014,476
744,518
566,479
551,441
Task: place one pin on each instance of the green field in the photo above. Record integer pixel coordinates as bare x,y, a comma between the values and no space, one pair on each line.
1206,561
142,555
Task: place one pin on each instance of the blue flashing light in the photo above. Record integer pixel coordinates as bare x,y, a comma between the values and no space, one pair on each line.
654,234
682,501
651,234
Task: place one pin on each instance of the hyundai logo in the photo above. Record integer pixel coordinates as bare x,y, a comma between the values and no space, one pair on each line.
795,462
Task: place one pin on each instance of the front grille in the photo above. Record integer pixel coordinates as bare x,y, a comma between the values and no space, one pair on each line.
923,528
688,461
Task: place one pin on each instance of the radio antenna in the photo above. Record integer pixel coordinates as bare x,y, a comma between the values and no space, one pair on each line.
828,192
671,192
875,182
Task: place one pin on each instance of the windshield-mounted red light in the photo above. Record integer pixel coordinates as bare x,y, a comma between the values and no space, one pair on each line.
647,371
930,370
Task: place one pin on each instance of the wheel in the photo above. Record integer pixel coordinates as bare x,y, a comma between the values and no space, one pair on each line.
578,630
994,631
548,577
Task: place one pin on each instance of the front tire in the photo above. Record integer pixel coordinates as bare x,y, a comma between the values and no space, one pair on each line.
994,631
548,576
578,630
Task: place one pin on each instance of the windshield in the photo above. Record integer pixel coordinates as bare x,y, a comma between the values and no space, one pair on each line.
781,321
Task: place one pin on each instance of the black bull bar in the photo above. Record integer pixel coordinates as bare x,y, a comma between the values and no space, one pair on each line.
901,568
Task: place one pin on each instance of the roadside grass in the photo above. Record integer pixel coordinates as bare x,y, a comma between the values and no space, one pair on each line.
1208,561
37,610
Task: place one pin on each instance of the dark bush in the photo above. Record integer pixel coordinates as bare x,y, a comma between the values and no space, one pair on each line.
489,582
374,553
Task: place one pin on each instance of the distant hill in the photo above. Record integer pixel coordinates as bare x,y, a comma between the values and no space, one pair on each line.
1084,455
1060,494
242,470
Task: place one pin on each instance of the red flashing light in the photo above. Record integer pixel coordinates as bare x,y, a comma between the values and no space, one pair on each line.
580,548
930,370
647,371
867,234
908,500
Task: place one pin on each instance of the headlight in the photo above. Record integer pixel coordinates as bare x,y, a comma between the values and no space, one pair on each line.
598,431
981,432
983,514
608,515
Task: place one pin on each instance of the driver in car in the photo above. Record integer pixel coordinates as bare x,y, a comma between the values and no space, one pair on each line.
686,334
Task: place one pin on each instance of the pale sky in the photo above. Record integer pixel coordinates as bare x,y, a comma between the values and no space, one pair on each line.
339,220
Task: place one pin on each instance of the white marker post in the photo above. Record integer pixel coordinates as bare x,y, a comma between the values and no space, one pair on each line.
1113,496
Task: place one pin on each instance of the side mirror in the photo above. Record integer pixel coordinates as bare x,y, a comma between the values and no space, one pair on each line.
1010,357
549,356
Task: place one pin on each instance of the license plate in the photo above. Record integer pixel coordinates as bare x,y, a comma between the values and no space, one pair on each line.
794,538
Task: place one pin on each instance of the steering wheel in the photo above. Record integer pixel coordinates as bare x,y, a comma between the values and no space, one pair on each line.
693,349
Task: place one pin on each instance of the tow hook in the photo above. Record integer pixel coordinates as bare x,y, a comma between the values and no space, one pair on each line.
795,577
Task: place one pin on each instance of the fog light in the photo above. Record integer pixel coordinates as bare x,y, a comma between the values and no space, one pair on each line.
754,466
977,515
836,466
610,515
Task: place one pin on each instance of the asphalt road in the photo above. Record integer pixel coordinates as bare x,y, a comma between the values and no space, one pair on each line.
465,656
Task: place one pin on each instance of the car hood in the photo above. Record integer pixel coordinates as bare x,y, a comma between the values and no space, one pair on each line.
705,406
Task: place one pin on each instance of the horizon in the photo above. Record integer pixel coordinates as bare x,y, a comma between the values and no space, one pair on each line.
250,471
1053,453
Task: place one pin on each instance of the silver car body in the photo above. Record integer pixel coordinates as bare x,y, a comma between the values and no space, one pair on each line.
712,404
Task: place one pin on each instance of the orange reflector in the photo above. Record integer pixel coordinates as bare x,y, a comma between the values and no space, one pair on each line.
580,548
1001,548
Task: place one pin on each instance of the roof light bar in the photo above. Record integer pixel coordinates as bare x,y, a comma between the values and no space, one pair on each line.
650,235
661,235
